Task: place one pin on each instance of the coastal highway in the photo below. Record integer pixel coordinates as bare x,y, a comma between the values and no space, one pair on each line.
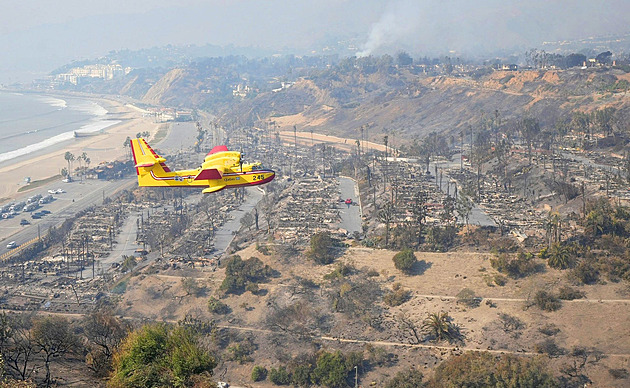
77,196
80,195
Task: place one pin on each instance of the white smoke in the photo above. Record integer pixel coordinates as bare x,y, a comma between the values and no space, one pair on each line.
398,23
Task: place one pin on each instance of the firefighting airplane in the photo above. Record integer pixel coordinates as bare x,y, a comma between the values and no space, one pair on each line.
220,169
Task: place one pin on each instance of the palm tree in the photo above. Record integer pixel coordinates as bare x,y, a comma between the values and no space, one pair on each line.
559,256
440,327
69,158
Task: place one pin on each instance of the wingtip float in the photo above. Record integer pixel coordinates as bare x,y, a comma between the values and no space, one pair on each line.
221,169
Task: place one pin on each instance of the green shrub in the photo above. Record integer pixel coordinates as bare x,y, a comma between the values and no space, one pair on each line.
217,307
548,347
500,280
478,369
521,265
570,293
241,352
467,297
547,301
253,288
239,273
279,376
409,378
259,373
341,270
549,329
585,272
397,296
405,261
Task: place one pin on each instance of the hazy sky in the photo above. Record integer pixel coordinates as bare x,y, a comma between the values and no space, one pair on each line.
37,36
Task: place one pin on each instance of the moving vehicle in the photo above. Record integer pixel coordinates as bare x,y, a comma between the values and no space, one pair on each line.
24,221
12,245
221,168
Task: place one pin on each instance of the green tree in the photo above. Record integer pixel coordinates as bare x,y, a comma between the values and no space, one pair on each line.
331,370
322,248
69,157
239,273
405,261
158,356
559,256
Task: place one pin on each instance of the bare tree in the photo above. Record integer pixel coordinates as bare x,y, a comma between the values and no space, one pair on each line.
104,332
16,345
53,338
407,325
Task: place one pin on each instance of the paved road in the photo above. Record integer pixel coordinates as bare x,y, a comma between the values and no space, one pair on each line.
87,193
350,215
225,234
78,196
477,215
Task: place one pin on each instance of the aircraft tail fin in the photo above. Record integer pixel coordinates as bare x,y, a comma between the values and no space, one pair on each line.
145,157
150,167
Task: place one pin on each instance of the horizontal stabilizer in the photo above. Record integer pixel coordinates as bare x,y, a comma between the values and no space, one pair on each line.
210,173
151,163
213,189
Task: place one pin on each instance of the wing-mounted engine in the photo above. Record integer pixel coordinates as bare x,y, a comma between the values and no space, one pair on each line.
221,156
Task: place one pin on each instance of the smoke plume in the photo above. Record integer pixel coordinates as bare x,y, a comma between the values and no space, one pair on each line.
396,24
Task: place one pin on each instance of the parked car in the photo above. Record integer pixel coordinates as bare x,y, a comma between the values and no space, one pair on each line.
24,221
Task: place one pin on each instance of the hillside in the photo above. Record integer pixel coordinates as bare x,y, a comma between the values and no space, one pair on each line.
414,106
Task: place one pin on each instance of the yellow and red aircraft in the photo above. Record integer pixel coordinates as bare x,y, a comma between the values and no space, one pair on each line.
220,169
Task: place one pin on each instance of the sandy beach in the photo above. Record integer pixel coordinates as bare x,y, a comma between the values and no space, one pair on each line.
102,147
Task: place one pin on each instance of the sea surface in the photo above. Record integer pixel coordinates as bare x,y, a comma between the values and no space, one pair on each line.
33,122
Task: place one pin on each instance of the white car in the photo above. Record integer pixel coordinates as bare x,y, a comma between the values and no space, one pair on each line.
59,191
12,245
52,191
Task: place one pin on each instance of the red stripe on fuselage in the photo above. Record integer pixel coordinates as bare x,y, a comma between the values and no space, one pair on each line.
134,156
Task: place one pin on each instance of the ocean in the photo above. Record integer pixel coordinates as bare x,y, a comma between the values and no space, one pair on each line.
33,122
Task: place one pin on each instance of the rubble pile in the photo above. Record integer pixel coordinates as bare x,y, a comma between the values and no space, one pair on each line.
307,206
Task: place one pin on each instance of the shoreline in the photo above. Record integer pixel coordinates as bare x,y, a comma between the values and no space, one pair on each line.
104,146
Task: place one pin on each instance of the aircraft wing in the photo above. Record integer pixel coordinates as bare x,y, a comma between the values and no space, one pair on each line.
209,173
